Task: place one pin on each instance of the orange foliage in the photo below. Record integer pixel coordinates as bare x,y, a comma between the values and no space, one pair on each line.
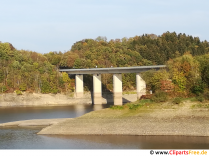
166,85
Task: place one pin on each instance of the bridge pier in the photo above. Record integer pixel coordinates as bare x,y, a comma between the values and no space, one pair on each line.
140,86
97,89
79,85
117,81
117,89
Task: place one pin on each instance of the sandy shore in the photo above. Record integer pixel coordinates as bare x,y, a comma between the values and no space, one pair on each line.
176,121
189,127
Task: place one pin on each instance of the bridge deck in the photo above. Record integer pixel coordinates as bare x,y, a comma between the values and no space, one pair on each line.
114,70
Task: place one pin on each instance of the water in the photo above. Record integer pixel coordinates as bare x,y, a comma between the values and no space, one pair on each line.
49,112
22,138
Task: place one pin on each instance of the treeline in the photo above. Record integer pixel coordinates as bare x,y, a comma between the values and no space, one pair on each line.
22,70
139,50
26,70
184,76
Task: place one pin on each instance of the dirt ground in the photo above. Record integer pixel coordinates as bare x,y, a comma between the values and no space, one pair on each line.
188,118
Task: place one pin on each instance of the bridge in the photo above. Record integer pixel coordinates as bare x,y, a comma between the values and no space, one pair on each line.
117,81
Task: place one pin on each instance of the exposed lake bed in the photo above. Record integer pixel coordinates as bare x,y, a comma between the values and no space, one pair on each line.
109,128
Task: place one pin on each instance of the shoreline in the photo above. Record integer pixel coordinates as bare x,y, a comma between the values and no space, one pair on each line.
178,126
38,99
128,127
153,119
32,123
163,119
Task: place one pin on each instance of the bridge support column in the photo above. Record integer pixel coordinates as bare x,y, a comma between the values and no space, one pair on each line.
97,89
79,85
140,86
117,89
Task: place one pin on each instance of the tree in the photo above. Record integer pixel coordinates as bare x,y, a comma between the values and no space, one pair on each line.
184,72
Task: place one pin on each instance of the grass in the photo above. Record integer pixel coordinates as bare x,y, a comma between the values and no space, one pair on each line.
192,99
133,105
177,100
145,108
117,107
200,105
170,104
71,94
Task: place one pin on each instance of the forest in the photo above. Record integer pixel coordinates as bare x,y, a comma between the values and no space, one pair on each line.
186,57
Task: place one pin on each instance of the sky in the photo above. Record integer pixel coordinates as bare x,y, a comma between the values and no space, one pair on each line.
55,25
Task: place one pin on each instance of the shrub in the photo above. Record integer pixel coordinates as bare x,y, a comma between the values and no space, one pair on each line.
146,97
3,88
177,100
198,88
45,87
23,87
206,95
200,98
134,106
116,107
160,97
54,91
18,92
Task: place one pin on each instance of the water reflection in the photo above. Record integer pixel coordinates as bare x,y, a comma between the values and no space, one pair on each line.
49,112
20,138
99,107
140,142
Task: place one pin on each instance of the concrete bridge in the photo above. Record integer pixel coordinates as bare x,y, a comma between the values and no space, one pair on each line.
117,81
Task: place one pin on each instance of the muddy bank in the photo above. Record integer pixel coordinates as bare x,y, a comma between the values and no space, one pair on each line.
35,99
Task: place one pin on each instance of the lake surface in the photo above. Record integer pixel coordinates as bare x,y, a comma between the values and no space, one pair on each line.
22,138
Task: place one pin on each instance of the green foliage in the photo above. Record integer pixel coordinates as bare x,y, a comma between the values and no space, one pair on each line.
55,91
29,70
129,80
177,100
1,76
23,87
184,72
144,101
206,95
45,87
160,97
198,87
3,88
154,78
65,77
157,77
200,98
134,106
116,107
10,83
18,92
21,66
147,77
204,67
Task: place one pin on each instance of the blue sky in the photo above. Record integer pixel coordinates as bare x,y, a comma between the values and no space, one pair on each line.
55,25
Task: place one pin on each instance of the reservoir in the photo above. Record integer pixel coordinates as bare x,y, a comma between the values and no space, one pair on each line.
26,138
